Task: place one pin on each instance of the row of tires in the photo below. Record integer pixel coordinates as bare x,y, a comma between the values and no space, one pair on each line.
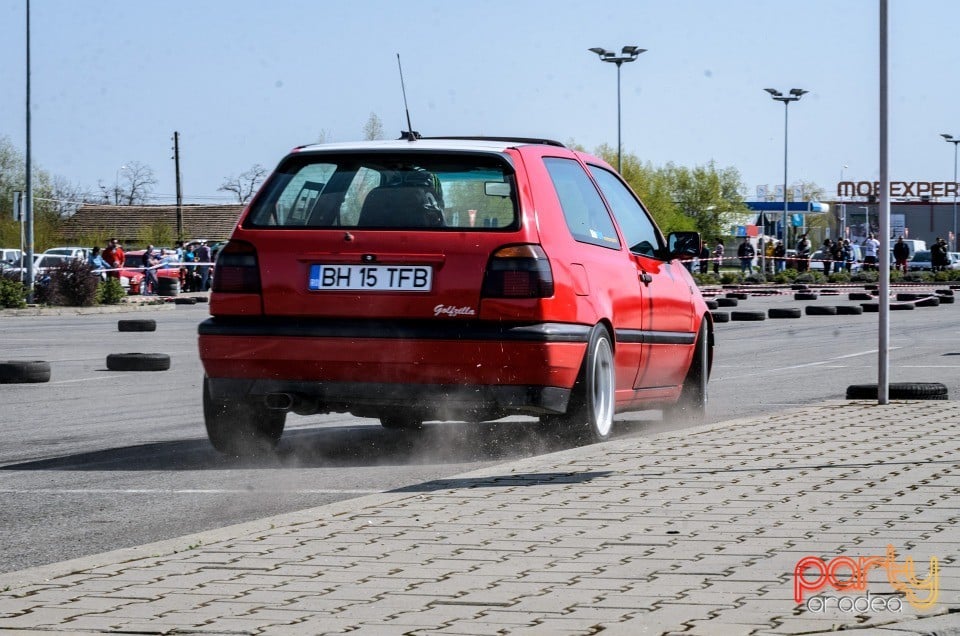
821,310
34,371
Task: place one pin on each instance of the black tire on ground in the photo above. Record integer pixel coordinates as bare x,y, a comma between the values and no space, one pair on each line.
870,308
711,304
185,300
820,310
692,404
727,302
901,306
944,292
830,292
720,316
928,301
784,312
799,287
747,315
947,300
137,324
804,296
900,391
859,296
138,362
401,420
738,295
241,428
909,296
871,287
202,299
589,416
24,371
168,286
849,310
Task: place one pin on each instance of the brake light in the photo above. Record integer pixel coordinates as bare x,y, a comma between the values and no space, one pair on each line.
518,271
237,271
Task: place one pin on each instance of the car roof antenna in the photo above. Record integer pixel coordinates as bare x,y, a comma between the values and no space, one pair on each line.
409,134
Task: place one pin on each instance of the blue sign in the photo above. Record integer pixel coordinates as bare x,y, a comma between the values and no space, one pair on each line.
796,220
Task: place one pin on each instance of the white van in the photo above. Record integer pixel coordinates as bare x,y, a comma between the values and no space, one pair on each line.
915,246
11,256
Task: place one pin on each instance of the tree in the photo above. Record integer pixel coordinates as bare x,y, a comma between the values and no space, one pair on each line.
373,129
245,185
46,215
133,185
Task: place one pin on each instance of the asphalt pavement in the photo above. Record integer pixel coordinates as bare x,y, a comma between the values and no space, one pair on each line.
697,531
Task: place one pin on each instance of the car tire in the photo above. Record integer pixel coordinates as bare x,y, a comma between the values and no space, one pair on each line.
909,296
24,371
944,292
902,306
720,316
184,300
589,416
900,391
727,302
820,310
747,316
784,312
849,310
201,299
712,304
241,429
859,296
138,362
928,301
139,324
804,296
692,404
947,300
401,421
870,308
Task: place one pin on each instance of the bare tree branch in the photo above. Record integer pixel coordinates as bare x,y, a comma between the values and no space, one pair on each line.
245,184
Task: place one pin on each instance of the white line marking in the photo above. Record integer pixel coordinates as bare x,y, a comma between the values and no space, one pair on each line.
806,365
99,377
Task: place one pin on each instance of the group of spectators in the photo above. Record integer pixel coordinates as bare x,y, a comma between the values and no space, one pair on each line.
193,262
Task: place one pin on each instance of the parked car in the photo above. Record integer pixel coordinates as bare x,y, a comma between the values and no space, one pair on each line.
42,265
920,262
453,279
11,256
817,259
72,252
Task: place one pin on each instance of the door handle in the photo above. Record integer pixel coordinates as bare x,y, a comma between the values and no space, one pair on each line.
645,278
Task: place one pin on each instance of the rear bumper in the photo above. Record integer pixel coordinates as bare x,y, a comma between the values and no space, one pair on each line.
366,367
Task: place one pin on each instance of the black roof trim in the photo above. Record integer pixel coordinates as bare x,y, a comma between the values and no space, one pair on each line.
521,140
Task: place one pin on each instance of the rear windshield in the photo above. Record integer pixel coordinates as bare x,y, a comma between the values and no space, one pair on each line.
396,191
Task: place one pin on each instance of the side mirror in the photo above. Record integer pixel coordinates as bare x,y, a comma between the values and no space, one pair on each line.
683,245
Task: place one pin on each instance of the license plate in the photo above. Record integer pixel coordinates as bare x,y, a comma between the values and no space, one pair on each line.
371,278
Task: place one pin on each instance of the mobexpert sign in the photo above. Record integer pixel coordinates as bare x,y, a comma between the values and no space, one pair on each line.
899,188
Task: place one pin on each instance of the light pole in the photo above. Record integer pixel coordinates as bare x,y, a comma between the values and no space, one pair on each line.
953,140
116,185
843,208
627,54
795,94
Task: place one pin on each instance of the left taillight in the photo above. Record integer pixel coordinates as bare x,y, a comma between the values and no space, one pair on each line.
237,271
518,271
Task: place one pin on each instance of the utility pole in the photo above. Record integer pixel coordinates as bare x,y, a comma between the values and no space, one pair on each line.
176,163
28,195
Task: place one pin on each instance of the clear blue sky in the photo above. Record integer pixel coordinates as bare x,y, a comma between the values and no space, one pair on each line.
244,81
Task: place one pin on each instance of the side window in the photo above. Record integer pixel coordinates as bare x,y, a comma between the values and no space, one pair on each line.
638,230
587,217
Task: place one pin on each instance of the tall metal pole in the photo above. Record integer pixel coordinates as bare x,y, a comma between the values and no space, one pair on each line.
883,364
786,109
28,203
619,144
954,246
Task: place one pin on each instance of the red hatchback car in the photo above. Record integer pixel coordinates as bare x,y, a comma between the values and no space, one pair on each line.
449,279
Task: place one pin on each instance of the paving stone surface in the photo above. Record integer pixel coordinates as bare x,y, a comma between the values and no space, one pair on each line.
697,531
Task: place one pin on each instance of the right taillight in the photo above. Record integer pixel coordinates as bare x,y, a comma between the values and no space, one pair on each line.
236,270
518,271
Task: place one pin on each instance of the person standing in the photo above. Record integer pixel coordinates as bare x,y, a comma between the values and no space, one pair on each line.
848,255
149,285
95,260
938,255
901,254
717,257
803,253
746,252
704,257
779,257
113,257
203,254
871,249
826,252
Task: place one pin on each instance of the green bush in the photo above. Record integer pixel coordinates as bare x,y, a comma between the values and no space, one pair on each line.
13,294
755,278
809,277
786,276
110,292
729,278
839,277
864,277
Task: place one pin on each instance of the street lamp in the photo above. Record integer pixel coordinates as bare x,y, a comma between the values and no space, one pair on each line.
627,54
795,94
953,140
116,185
